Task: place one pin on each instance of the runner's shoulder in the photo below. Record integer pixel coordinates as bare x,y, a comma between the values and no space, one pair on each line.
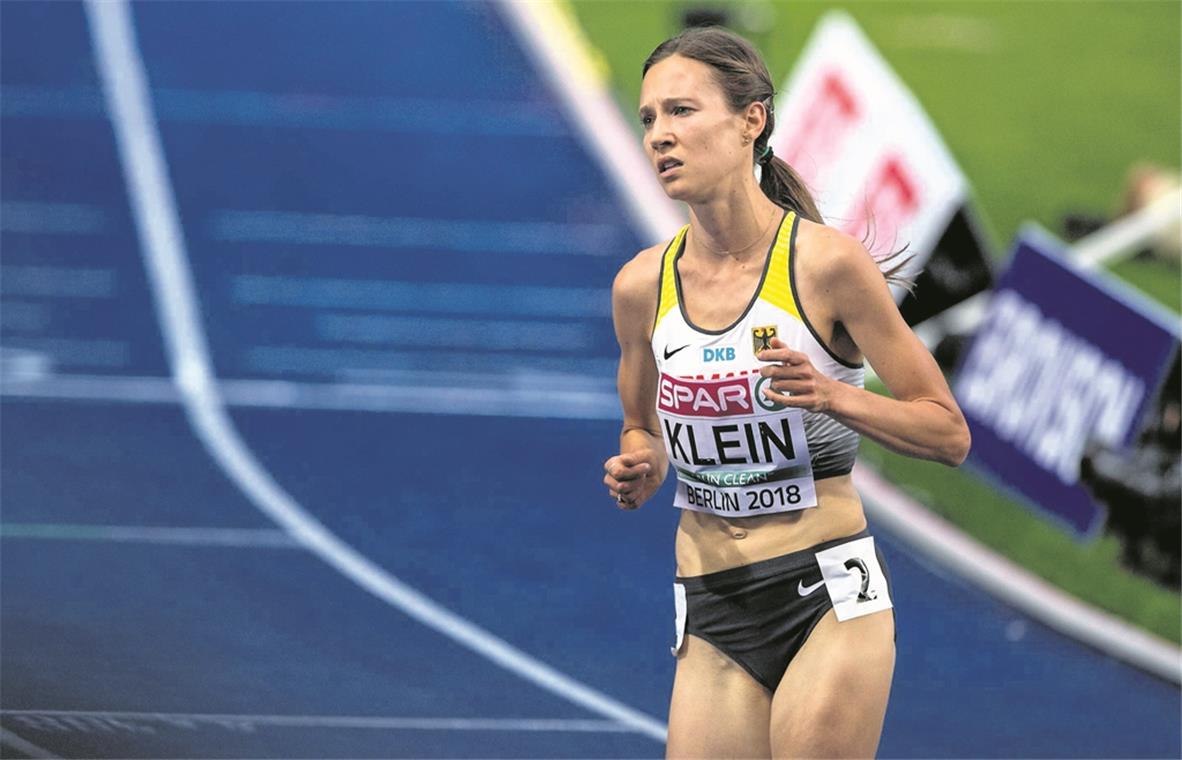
829,253
635,286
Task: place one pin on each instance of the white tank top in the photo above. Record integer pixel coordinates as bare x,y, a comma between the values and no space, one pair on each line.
737,454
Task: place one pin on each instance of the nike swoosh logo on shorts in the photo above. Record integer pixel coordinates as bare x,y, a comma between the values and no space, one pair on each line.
669,353
804,590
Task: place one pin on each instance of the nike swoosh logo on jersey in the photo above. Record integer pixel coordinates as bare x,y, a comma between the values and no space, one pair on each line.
669,353
804,590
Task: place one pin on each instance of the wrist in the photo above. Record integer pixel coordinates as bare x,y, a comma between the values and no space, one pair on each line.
839,397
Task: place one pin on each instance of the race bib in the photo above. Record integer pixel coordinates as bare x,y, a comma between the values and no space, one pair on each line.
854,579
736,453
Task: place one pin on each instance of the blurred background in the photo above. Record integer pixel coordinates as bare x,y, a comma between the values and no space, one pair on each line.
307,376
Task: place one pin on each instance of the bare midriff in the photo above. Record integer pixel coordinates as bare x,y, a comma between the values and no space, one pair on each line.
707,543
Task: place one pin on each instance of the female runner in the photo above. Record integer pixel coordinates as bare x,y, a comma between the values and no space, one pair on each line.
742,343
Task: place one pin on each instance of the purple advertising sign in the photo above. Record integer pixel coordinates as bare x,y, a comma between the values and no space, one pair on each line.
1064,359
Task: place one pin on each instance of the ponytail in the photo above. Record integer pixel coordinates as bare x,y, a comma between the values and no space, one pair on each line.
784,186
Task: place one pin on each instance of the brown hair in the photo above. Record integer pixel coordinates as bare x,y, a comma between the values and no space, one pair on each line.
744,79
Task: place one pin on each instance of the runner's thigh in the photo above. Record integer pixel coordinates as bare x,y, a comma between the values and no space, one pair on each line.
832,699
718,710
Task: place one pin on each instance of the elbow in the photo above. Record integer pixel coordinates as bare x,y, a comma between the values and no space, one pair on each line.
956,450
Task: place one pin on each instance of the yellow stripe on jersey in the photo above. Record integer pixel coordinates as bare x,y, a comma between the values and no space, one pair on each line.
668,286
777,289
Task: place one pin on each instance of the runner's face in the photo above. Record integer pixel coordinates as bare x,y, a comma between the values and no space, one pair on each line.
692,138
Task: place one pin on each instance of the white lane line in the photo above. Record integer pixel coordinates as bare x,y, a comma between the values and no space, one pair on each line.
889,507
477,333
379,294
57,282
373,363
63,352
36,383
51,719
304,111
270,538
22,745
162,244
153,206
460,235
542,397
550,33
36,217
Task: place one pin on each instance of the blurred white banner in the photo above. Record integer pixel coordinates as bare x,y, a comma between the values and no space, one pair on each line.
860,141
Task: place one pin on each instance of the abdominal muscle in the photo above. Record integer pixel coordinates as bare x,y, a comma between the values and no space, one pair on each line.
707,543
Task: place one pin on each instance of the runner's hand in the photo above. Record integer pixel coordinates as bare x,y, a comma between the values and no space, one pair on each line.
795,381
630,478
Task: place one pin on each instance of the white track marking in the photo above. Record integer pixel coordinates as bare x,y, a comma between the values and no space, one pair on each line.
270,538
887,505
162,245
63,352
386,233
35,217
380,294
130,390
45,718
561,54
544,398
913,523
305,111
57,282
24,746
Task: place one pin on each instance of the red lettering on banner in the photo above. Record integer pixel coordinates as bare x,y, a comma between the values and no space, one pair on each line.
890,201
704,399
821,126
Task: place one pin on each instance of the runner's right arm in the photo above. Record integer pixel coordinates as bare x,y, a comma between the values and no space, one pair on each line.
637,472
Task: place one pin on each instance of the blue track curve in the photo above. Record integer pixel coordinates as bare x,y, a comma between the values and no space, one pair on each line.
437,171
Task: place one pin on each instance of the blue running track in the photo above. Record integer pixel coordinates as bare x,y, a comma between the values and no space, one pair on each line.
402,254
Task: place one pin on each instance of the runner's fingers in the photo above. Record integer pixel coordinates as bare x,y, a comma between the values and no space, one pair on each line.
622,486
622,472
624,499
787,366
796,387
773,355
782,372
784,398
630,459
785,356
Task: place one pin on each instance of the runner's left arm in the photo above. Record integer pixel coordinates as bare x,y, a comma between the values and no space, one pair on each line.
922,419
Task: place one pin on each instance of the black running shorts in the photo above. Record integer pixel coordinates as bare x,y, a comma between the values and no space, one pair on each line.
760,614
